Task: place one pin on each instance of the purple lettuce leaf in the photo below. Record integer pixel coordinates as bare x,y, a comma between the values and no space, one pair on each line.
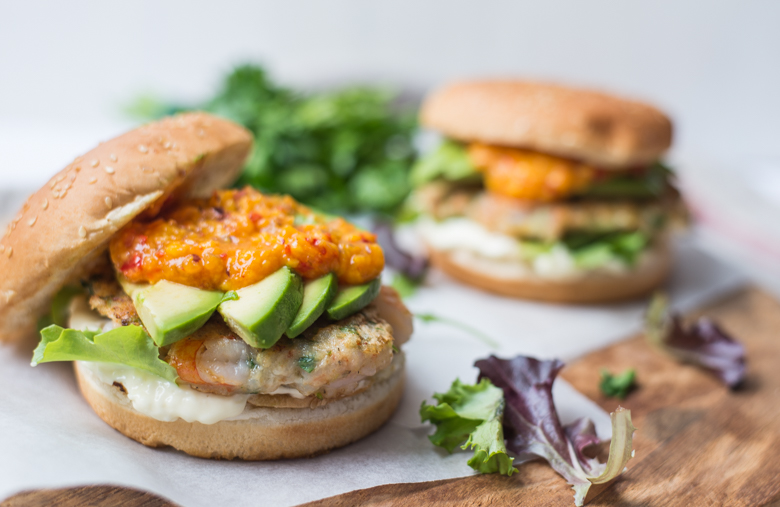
411,266
533,429
703,343
582,434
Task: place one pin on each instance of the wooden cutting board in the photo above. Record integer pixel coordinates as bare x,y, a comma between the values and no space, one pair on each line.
697,442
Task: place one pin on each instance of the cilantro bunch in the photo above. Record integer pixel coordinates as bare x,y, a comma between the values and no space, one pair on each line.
346,150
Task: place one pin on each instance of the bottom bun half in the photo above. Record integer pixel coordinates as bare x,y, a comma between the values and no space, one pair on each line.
595,287
259,433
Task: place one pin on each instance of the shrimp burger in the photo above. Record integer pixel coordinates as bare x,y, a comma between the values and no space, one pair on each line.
545,192
224,323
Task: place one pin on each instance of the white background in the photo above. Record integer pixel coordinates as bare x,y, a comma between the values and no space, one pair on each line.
712,64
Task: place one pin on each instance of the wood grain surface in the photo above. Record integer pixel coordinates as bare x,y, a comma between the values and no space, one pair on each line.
697,443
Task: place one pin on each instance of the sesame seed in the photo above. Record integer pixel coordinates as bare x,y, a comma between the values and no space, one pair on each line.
31,222
109,170
45,203
112,157
82,232
95,163
92,180
2,248
109,203
10,251
167,145
52,183
201,133
142,148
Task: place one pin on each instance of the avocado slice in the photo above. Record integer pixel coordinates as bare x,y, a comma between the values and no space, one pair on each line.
317,295
130,288
264,311
352,298
171,311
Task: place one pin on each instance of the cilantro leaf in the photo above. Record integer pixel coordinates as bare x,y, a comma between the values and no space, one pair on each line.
430,317
129,345
617,386
307,363
405,286
470,416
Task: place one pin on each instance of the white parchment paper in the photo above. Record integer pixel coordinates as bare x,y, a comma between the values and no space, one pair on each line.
49,437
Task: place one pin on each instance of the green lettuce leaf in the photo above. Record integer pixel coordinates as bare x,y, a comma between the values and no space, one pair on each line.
650,184
591,250
128,345
472,414
449,161
59,307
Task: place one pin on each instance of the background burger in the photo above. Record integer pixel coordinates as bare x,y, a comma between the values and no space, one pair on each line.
545,192
224,323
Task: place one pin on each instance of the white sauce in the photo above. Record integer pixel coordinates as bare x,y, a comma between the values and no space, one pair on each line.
165,401
84,319
289,391
467,235
462,233
557,263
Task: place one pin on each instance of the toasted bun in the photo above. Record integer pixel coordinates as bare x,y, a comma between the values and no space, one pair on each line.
66,224
585,125
597,287
258,433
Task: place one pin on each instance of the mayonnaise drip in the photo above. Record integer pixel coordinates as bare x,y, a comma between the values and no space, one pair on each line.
165,401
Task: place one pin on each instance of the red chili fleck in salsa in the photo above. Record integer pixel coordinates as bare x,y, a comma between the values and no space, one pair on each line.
238,237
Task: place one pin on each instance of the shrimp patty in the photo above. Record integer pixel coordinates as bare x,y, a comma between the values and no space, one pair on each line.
329,360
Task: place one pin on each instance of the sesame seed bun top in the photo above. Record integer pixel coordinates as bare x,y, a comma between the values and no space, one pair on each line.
590,126
66,225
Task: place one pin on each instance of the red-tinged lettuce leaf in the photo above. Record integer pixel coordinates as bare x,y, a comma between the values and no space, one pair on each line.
413,267
471,414
533,429
702,343
129,345
582,434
